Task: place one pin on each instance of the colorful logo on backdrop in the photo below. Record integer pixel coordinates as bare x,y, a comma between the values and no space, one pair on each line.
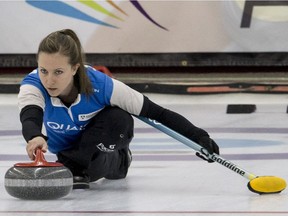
65,9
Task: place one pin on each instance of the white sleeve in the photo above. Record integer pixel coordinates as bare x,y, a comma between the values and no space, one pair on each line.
30,95
126,98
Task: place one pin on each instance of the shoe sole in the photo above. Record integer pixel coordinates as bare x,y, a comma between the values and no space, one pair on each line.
81,185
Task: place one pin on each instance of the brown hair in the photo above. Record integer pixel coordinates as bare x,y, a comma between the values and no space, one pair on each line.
67,43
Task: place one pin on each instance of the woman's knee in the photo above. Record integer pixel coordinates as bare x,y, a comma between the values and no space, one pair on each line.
117,119
112,128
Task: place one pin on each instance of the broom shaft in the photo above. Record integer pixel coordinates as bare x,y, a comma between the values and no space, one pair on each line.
224,162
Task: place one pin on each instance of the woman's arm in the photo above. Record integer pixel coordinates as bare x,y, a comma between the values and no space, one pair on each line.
178,123
31,105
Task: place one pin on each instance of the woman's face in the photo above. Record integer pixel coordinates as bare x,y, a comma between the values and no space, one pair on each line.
56,74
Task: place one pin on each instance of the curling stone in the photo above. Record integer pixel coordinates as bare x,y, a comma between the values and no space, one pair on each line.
38,180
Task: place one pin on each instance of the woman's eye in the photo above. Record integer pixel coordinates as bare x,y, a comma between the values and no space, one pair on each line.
58,72
43,71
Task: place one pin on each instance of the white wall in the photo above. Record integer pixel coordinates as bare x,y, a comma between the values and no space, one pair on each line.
191,26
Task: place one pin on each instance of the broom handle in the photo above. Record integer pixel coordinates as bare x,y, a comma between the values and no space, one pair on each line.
224,162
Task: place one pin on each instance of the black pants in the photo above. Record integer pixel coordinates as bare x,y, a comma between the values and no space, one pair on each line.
102,150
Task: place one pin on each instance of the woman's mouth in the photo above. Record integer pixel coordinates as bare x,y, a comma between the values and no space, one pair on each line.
52,91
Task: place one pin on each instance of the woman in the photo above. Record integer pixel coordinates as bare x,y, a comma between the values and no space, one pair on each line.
87,114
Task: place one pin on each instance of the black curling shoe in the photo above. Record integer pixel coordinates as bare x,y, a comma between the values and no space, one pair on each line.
81,182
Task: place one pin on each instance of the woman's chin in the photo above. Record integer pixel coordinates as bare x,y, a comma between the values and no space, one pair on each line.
53,93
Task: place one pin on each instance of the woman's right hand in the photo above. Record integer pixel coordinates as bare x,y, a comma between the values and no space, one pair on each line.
36,143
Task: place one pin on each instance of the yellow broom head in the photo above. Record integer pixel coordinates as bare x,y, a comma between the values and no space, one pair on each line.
267,185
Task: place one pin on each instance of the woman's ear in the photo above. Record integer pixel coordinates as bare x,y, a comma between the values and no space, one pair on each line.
75,68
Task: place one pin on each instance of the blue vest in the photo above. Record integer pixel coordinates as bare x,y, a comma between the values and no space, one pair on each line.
63,125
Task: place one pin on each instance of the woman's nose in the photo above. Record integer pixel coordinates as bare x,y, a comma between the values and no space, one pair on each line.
50,79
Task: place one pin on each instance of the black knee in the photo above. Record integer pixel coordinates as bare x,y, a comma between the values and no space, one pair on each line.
112,129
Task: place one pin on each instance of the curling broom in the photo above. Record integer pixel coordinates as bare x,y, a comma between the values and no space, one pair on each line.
256,184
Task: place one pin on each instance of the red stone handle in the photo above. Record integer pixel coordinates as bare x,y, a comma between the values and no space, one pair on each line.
39,161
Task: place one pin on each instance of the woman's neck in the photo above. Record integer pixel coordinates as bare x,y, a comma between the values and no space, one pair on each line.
70,98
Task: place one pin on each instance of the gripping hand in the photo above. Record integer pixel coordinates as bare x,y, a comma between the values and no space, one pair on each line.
209,144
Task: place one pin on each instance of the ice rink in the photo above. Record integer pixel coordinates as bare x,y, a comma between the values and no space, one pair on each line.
165,177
